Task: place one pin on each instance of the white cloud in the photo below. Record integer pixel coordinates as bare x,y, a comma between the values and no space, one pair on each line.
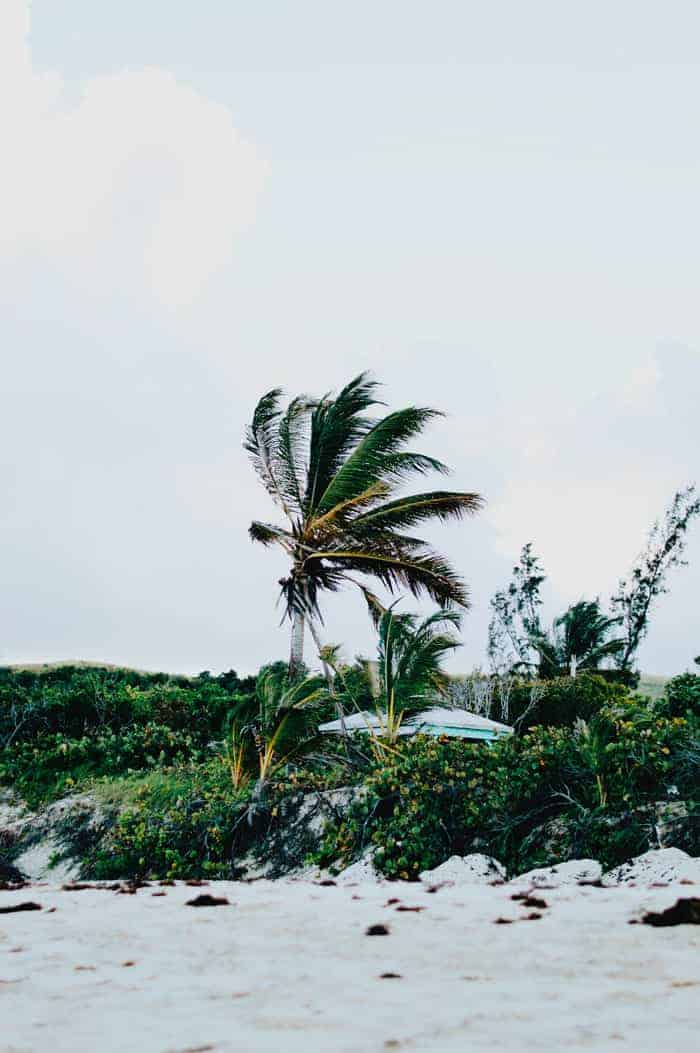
143,180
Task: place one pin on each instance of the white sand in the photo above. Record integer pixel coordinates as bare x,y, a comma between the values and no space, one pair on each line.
288,967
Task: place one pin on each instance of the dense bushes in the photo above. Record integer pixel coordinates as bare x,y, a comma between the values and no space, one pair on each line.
561,701
422,805
683,696
75,700
52,764
527,800
583,781
181,824
64,725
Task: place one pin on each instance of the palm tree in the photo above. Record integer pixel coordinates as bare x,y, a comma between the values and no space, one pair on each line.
580,640
410,657
276,724
334,472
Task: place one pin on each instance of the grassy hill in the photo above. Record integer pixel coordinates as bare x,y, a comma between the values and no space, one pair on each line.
74,663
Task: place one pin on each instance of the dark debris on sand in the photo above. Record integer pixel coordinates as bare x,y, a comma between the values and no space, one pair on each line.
683,912
377,930
205,900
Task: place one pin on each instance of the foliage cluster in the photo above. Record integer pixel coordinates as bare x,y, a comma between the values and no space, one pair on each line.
64,725
527,800
580,778
180,824
559,702
52,764
683,696
523,703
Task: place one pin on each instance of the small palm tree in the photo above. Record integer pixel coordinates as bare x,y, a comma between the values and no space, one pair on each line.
334,472
278,724
410,656
580,640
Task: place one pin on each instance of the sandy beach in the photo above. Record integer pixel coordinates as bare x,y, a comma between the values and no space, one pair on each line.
290,966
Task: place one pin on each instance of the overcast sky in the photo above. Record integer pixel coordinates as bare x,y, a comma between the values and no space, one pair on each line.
492,206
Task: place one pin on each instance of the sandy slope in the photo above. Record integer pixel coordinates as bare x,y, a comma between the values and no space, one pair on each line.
288,967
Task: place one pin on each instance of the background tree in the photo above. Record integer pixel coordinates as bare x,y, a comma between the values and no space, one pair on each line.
335,473
636,593
580,640
515,618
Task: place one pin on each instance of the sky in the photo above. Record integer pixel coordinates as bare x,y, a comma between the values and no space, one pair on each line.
494,207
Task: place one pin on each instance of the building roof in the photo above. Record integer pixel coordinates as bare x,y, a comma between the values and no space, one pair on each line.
461,720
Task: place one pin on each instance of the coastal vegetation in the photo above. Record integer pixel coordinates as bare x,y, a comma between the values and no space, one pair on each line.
585,780
194,773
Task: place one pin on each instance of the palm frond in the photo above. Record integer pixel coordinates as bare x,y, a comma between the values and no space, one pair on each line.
337,425
276,695
407,511
421,571
374,605
378,457
421,663
400,466
410,656
347,510
261,441
270,534
292,435
595,655
580,634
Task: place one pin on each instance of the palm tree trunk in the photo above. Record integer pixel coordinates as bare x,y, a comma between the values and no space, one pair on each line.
328,673
296,653
319,647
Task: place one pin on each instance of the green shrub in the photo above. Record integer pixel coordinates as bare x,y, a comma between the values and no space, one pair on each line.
75,701
683,696
181,824
421,806
561,701
529,800
52,764
65,725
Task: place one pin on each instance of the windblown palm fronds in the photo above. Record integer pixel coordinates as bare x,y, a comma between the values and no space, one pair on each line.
580,640
336,472
276,725
410,656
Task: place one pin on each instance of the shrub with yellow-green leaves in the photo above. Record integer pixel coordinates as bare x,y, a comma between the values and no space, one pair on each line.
422,804
52,764
181,825
528,800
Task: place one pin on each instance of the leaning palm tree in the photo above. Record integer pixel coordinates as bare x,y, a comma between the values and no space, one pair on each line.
334,472
580,640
